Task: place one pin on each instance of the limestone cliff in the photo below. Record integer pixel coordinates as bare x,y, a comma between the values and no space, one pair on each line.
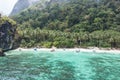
7,34
23,4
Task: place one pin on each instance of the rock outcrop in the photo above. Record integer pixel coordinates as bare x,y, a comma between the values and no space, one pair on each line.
24,4
7,33
21,5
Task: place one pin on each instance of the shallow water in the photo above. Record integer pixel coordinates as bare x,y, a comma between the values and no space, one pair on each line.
59,65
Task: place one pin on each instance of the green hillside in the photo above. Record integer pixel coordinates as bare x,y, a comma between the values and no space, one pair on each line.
71,24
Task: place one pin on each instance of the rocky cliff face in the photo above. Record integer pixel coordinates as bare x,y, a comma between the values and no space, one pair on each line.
24,4
7,33
21,5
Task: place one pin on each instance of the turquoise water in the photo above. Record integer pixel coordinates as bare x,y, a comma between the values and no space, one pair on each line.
59,65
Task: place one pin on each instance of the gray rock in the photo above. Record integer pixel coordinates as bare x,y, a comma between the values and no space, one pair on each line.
21,5
24,4
7,34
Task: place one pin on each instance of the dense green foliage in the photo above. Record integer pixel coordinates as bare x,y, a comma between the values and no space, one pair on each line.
3,19
75,23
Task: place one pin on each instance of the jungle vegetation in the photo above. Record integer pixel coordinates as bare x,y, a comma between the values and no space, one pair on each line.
77,23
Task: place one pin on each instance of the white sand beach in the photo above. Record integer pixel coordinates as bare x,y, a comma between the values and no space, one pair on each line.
95,50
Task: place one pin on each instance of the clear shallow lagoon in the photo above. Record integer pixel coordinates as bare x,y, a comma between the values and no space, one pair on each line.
59,65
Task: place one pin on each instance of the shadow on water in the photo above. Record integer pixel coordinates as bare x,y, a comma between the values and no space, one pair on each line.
105,68
30,67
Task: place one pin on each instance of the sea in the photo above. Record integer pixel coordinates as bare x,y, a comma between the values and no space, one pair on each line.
59,65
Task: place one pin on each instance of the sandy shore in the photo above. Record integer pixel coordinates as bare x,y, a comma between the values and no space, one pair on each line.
95,50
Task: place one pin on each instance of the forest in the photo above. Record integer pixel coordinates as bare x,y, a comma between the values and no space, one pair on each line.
71,23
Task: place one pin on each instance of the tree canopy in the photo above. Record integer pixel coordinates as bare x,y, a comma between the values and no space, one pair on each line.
74,23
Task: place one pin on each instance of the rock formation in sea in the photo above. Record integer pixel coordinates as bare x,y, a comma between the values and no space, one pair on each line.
7,34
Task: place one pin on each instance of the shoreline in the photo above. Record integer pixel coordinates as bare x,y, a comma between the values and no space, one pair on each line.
95,50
